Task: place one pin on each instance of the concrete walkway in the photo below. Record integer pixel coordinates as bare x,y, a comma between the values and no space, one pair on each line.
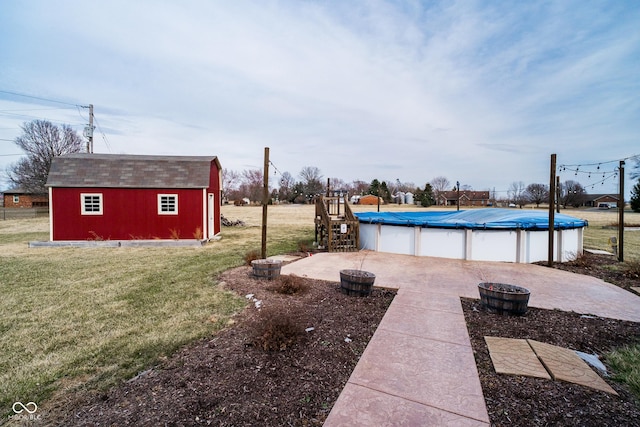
418,368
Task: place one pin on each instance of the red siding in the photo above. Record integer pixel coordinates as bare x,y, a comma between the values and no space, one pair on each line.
214,187
127,214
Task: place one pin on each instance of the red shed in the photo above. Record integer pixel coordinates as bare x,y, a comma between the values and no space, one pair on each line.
132,197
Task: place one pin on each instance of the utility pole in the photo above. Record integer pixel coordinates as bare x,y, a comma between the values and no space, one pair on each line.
88,130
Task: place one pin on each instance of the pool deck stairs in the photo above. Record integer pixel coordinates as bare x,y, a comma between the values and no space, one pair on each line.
337,228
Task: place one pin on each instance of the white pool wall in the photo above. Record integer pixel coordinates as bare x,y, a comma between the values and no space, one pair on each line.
519,246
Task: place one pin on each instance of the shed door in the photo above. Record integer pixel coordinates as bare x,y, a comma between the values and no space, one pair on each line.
210,213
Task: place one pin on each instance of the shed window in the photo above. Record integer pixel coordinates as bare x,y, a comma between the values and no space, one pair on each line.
91,203
16,198
167,204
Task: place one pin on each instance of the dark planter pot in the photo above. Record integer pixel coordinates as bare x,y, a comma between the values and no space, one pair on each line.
356,282
504,299
266,268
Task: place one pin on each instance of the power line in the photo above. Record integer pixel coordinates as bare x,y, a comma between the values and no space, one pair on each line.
80,114
37,97
33,109
104,136
37,118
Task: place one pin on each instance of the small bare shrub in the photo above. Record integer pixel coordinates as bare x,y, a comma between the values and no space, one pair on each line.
277,331
251,256
95,236
198,233
303,246
632,268
174,233
289,285
581,260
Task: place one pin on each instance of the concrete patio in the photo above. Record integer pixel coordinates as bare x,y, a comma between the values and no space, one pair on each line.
418,368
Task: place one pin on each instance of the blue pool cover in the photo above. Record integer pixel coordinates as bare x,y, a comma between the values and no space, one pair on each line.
475,219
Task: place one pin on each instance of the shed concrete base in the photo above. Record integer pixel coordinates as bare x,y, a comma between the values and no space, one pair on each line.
117,243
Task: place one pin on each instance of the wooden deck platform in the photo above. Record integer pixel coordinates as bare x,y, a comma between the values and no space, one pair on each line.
337,229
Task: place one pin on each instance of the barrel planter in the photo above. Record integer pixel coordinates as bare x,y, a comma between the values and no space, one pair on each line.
356,282
504,299
266,268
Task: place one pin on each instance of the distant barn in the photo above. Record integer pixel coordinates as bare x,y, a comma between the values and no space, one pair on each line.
370,199
133,197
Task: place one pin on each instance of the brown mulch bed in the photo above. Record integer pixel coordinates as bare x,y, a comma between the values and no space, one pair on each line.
518,400
266,369
231,380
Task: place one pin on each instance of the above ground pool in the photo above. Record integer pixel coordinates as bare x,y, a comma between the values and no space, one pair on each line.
511,235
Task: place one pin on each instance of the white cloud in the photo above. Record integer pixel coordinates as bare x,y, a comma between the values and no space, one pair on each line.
480,92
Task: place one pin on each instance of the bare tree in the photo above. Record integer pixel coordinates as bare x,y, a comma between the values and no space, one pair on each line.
517,194
252,184
287,183
311,181
537,193
337,184
572,193
405,187
41,141
439,185
359,187
230,181
309,174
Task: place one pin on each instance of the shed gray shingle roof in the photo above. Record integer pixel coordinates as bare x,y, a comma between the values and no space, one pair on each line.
130,171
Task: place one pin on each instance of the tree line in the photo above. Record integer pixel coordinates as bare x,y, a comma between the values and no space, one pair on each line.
41,141
248,185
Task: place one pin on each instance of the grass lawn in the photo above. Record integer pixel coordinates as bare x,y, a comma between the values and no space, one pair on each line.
604,224
96,316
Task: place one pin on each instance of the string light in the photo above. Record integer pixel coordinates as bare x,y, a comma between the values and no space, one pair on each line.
276,171
606,174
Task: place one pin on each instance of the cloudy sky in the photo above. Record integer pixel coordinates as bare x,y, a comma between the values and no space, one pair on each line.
479,92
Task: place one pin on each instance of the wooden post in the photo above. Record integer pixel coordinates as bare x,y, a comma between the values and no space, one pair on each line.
621,214
552,219
557,194
265,202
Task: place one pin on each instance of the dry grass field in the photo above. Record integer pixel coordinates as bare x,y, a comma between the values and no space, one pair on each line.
93,317
603,224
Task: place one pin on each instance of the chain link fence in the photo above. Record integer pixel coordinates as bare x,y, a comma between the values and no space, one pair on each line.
19,213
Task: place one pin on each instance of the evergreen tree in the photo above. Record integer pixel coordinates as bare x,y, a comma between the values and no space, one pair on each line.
427,198
374,188
384,192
